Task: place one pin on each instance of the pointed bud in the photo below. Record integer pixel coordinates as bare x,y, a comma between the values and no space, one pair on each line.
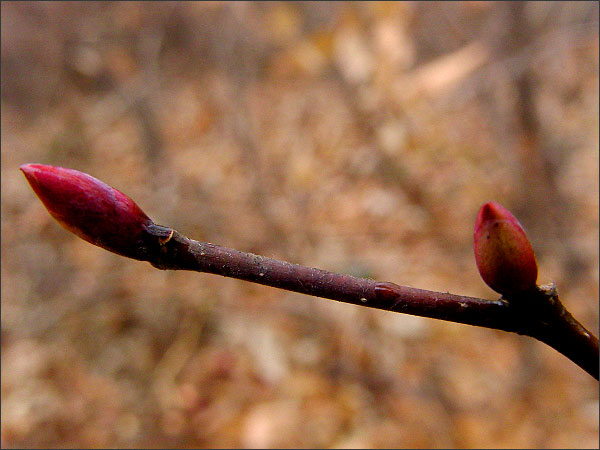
91,209
503,254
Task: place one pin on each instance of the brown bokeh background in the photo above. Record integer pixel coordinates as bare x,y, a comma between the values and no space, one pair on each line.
355,137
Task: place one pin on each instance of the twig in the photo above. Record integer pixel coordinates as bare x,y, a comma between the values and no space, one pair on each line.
108,218
541,316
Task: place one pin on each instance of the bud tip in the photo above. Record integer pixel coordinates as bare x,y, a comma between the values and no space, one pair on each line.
89,208
503,253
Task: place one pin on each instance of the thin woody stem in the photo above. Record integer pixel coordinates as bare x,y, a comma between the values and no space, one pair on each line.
546,319
104,216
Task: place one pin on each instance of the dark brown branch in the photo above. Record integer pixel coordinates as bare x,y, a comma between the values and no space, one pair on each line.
104,216
540,315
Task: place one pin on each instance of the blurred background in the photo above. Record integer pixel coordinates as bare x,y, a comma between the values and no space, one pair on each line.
354,137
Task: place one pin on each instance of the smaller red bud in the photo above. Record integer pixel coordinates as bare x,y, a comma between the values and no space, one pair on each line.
503,254
91,209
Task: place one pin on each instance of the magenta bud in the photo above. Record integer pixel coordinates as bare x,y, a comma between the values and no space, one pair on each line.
91,209
503,254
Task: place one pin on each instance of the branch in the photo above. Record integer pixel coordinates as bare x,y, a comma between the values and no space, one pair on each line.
108,218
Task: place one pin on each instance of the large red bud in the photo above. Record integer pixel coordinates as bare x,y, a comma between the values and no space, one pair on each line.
503,254
93,210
